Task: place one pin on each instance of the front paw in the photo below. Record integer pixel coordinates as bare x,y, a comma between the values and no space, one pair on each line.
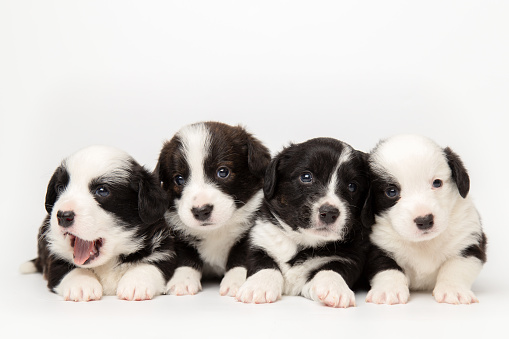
264,286
389,287
331,289
232,281
453,294
80,285
141,282
185,281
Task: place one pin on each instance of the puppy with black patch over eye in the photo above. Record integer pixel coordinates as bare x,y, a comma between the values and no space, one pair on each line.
308,238
427,233
105,232
213,174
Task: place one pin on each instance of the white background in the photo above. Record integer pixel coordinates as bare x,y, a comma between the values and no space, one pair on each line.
130,74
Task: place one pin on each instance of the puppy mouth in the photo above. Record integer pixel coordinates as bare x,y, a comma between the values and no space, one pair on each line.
84,251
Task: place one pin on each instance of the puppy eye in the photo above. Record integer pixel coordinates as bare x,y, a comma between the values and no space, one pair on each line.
352,187
306,177
392,192
60,189
179,180
102,191
223,172
437,183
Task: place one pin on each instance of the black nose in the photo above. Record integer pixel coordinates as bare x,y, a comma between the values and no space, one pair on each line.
424,223
328,213
65,218
202,213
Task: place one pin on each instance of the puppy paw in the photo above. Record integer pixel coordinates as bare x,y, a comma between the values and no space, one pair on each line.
389,287
141,282
185,281
453,294
232,281
264,286
80,285
329,288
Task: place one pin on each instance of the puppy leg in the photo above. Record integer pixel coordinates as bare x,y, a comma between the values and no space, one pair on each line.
141,282
330,288
455,279
232,281
265,286
389,287
185,281
80,284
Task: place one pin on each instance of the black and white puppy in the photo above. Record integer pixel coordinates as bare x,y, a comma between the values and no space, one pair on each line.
427,233
105,232
308,238
213,174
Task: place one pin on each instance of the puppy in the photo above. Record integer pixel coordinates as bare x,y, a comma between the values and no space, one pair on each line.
105,231
427,233
213,174
308,238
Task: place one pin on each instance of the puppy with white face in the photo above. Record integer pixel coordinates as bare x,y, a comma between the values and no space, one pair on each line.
427,234
308,238
105,232
213,174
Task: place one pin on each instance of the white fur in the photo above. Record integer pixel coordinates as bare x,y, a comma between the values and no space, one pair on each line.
27,267
141,282
264,286
80,285
415,162
389,287
185,281
232,281
329,288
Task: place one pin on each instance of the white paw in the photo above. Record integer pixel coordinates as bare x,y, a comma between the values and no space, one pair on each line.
454,294
232,281
80,285
185,281
331,289
264,286
140,282
389,287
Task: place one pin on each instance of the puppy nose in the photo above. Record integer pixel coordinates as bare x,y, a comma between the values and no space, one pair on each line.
65,218
424,223
328,213
202,213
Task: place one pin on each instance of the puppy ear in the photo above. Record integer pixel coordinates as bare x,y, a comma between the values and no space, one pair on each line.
270,181
152,200
459,172
258,156
162,171
51,192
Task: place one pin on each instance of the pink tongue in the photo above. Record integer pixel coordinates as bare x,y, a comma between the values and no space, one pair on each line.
82,249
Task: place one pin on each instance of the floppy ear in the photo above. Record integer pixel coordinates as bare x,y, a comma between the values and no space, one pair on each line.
270,181
367,215
258,156
51,192
459,172
152,200
162,171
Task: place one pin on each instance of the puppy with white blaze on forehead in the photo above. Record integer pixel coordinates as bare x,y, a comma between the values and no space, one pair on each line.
213,174
427,234
105,232
308,238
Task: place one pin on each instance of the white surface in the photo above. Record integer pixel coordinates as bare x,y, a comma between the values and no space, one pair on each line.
129,74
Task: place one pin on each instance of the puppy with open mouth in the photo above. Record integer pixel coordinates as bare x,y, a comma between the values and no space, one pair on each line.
308,238
213,174
427,233
105,232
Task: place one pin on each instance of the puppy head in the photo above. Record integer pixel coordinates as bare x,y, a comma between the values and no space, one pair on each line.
317,189
416,185
210,171
99,199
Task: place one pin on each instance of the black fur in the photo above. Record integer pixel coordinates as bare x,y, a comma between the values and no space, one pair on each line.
459,172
